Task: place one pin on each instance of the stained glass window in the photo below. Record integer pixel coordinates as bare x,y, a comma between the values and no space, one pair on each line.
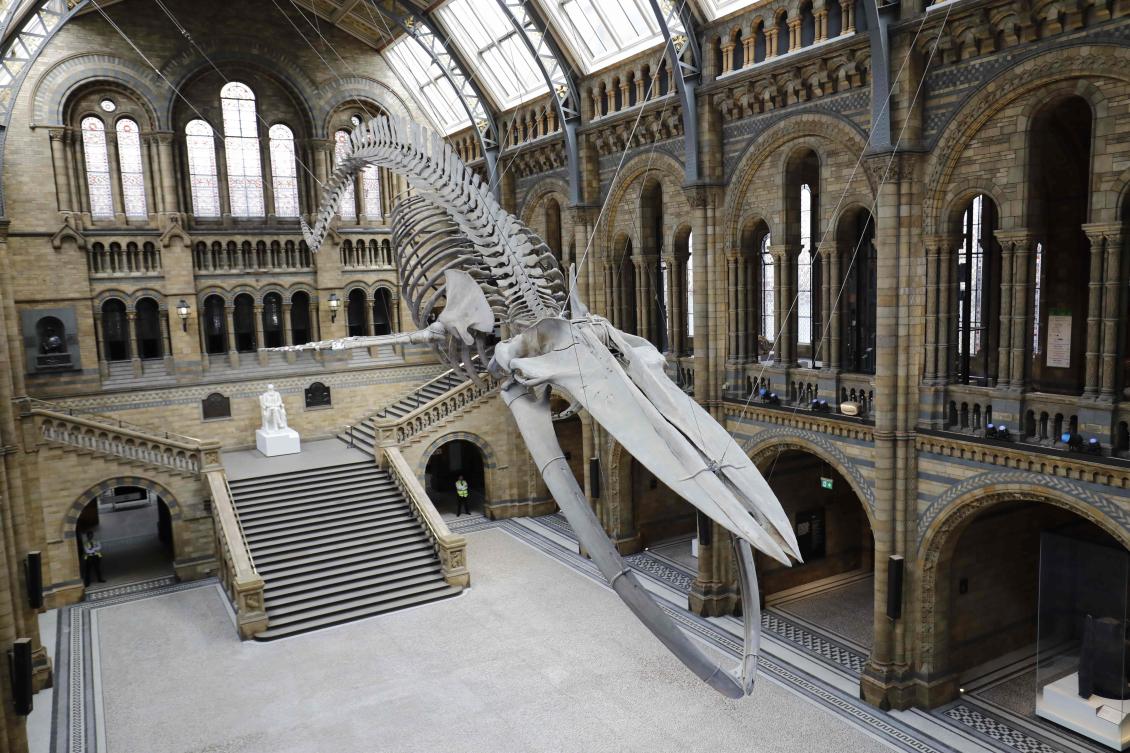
284,171
690,285
371,192
241,143
133,176
202,177
97,168
348,208
1036,293
804,268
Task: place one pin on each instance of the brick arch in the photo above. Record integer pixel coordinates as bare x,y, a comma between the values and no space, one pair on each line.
137,295
543,189
832,130
55,88
490,458
1030,76
107,295
70,519
940,529
335,94
767,445
241,50
961,193
670,173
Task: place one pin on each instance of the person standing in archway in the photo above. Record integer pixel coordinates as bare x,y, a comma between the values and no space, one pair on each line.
463,494
91,558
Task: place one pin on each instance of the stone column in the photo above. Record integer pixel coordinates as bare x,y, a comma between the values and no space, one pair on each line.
672,298
847,15
1094,317
832,252
1107,239
747,49
268,174
1021,313
222,180
288,324
734,312
166,340
933,248
99,344
59,162
258,315
947,294
152,173
229,317
170,196
744,308
1004,346
770,42
794,34
642,328
727,57
828,299
115,176
821,17
134,351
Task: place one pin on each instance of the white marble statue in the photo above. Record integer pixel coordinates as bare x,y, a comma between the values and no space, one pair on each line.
272,409
275,437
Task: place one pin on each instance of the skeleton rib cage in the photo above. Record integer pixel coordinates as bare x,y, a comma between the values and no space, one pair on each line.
452,222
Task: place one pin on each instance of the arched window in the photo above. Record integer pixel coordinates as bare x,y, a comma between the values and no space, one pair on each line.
97,168
383,319
857,293
690,285
241,145
355,314
129,161
202,169
284,171
215,325
348,208
1037,288
804,268
115,330
371,192
272,321
243,321
149,340
768,296
978,307
300,318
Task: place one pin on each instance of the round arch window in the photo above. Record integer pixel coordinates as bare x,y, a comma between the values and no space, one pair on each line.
108,105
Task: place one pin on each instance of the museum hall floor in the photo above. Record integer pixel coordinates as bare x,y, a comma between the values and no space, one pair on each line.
538,655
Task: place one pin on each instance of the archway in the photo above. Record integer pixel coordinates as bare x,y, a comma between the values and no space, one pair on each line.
300,331
834,587
115,330
134,527
383,318
273,324
355,307
981,588
451,460
663,520
215,325
243,322
150,342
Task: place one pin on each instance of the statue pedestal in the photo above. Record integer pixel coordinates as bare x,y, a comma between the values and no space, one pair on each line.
1101,719
278,442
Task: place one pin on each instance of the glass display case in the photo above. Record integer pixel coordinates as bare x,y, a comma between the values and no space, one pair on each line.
1083,661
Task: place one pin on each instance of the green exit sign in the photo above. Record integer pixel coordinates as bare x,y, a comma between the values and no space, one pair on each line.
825,483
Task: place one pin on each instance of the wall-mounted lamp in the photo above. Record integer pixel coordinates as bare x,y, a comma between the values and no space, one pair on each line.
182,312
335,304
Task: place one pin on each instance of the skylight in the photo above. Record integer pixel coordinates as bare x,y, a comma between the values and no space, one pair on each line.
489,42
424,79
603,32
715,9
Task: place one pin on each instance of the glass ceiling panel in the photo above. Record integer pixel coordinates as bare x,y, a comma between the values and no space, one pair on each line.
490,44
424,79
603,32
718,8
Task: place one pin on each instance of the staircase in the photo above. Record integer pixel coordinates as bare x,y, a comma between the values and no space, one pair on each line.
363,435
335,544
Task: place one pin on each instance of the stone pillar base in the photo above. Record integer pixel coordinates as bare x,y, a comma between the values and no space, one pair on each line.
711,599
41,677
887,687
930,693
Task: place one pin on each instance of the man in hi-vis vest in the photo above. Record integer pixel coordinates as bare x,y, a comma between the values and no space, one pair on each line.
463,494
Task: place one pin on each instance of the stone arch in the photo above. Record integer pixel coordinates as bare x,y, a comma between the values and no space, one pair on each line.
70,518
244,51
941,526
490,458
764,449
120,295
300,287
829,128
57,86
340,91
271,287
670,172
211,290
137,295
958,198
1033,74
542,190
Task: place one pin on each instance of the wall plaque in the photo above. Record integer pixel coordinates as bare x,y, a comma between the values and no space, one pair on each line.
1059,341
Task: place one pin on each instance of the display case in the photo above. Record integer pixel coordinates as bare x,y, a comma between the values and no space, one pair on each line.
1082,669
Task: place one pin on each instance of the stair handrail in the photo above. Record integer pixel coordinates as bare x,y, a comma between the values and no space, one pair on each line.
400,429
451,547
241,580
383,410
35,405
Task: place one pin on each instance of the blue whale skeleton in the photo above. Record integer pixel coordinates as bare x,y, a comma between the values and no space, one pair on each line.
494,294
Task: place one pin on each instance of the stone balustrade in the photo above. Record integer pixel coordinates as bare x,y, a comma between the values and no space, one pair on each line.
451,548
242,583
222,256
124,258
393,431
